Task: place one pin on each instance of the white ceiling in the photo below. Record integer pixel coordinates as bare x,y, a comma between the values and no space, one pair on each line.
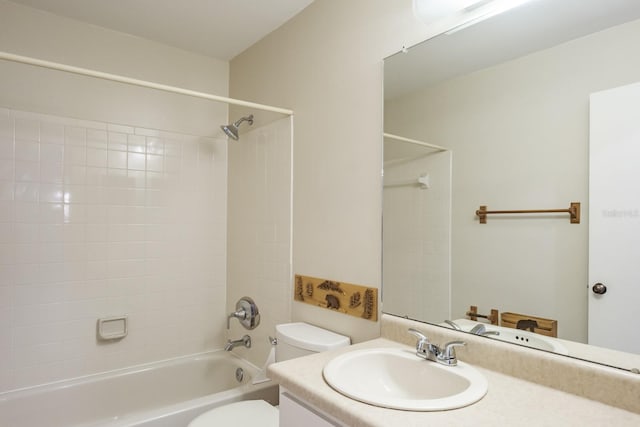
218,28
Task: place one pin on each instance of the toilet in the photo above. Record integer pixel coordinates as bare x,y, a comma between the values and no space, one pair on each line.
294,340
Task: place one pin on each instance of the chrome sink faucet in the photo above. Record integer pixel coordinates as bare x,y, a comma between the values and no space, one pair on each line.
480,329
453,324
426,350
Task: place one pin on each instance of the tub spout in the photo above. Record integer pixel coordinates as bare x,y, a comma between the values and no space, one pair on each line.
245,341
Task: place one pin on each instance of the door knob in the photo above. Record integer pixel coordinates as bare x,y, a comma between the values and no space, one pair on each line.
599,289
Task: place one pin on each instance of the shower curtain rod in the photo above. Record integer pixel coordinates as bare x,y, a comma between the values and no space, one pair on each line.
414,141
136,82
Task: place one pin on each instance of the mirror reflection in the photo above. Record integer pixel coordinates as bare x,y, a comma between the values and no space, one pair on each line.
512,105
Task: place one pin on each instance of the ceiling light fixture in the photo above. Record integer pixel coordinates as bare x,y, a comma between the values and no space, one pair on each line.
430,11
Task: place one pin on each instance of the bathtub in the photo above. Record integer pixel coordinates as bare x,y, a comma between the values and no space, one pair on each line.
163,394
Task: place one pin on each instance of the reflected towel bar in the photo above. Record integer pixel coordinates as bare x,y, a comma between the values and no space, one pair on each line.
473,315
573,211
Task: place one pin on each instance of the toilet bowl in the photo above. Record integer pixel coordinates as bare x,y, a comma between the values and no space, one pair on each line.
294,340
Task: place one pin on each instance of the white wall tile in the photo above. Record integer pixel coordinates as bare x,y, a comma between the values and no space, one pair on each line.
27,129
50,232
117,159
95,176
7,234
97,138
96,269
98,219
75,136
26,233
7,253
26,253
6,129
27,192
258,249
23,212
75,252
25,274
52,133
96,233
154,163
28,151
136,161
52,152
136,197
75,194
155,145
96,157
6,147
27,171
75,175
51,213
7,275
51,172
136,144
75,155
155,180
116,178
117,140
7,169
74,232
136,179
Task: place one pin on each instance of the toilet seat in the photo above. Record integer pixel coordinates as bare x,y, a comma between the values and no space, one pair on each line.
249,412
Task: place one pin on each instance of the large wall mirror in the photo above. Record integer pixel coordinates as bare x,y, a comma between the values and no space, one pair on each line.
498,113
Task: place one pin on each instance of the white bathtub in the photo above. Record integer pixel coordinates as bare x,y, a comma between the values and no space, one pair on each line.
164,394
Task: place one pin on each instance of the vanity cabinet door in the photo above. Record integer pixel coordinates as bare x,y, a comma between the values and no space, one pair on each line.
296,413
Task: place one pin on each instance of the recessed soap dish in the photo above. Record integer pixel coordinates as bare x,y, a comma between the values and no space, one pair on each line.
112,328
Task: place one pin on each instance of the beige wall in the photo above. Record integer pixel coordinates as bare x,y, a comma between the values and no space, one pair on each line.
519,133
326,64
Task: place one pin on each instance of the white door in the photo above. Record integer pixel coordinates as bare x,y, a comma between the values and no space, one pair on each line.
614,219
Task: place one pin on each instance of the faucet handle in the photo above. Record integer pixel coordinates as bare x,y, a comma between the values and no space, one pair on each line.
423,346
418,334
239,314
448,353
453,324
246,312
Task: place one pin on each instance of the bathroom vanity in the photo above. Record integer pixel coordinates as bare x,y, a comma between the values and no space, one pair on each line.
554,390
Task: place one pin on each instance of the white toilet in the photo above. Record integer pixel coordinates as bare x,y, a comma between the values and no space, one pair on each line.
294,340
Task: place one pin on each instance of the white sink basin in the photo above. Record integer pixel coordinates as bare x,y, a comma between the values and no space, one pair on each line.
529,339
398,379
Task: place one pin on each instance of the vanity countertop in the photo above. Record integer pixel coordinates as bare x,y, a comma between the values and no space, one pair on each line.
509,401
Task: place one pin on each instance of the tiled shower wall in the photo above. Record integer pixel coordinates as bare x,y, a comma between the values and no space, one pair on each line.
416,237
98,220
259,239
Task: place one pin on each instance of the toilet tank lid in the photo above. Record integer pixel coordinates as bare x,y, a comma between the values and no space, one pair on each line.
309,337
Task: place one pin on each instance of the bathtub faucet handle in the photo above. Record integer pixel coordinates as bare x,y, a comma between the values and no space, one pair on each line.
239,314
246,312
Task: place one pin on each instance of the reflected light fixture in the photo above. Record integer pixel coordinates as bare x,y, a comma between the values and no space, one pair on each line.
430,11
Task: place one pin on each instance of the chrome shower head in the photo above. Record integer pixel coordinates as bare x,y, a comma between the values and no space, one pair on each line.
232,129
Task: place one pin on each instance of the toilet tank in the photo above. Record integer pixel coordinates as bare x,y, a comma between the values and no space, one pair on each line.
300,339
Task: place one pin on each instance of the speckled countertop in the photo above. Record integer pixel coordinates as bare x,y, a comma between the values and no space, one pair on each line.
510,401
